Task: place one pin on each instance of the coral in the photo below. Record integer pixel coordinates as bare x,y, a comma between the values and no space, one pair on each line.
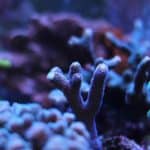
86,41
45,40
120,143
58,40
71,88
119,44
32,127
113,62
140,79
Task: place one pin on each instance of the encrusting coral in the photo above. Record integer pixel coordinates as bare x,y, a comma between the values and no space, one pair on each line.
120,142
32,127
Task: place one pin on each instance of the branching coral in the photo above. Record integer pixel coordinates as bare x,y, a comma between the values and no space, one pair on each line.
113,41
113,62
141,75
50,38
85,110
140,78
86,40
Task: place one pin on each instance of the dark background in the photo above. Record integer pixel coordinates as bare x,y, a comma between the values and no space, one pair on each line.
120,13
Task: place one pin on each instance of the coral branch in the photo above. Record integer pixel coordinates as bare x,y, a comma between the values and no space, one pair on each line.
86,40
57,78
141,74
137,94
114,41
95,96
113,62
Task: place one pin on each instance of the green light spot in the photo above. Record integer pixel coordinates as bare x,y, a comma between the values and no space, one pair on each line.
148,114
4,63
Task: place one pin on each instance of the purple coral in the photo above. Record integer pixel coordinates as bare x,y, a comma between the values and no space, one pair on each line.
85,110
120,142
141,77
86,40
32,127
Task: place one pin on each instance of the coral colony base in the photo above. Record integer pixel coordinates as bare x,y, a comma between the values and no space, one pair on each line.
101,103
